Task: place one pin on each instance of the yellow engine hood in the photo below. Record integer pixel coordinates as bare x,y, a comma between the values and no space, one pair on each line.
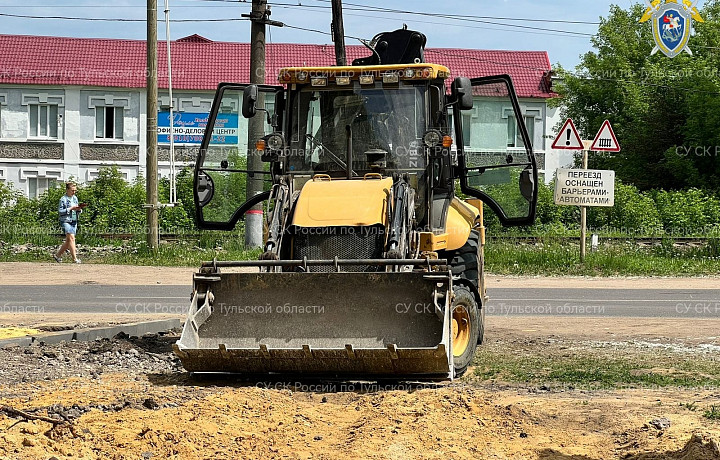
341,203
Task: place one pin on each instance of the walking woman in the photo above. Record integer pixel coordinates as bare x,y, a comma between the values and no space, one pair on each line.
69,209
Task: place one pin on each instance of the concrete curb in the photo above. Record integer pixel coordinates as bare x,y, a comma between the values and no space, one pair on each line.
19,342
86,335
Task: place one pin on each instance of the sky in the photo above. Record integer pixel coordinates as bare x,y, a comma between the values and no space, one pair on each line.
460,24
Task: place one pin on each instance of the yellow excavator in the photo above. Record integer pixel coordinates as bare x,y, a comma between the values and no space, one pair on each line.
376,175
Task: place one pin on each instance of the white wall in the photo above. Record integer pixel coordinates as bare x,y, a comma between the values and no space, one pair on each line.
76,126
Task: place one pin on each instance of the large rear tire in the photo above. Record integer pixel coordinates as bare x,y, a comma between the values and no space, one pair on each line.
466,321
465,263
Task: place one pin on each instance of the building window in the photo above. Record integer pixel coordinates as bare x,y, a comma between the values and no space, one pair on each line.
39,185
514,137
467,124
109,122
466,127
43,120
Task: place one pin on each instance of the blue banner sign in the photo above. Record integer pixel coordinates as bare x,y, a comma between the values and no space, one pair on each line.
188,128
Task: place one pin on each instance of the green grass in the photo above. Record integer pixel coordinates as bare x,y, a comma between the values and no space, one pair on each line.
691,406
184,252
552,258
713,413
555,258
595,368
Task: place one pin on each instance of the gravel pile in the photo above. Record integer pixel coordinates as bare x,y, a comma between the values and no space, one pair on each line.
132,355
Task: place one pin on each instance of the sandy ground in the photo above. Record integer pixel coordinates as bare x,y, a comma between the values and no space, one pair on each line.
130,400
125,404
323,421
32,273
25,273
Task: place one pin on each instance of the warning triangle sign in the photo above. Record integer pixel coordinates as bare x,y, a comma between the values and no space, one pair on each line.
568,138
605,141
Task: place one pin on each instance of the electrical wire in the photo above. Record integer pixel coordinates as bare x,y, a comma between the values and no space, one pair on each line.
363,8
459,16
73,18
418,21
358,7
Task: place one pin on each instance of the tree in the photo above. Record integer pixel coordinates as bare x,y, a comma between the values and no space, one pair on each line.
666,112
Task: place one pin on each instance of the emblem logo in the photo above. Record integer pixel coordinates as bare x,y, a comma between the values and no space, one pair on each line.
672,24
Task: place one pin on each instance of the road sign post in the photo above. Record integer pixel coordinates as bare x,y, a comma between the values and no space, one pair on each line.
583,216
585,187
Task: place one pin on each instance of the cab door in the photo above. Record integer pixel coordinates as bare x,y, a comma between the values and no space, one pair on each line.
221,172
495,156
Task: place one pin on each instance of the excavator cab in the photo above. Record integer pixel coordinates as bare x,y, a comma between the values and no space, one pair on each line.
372,264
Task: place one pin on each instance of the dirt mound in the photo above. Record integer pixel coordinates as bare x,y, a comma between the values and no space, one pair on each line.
701,446
127,398
171,415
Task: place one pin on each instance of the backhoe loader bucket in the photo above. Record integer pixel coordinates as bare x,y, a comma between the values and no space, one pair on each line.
330,324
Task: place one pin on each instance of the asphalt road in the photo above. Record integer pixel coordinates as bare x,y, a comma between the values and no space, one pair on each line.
164,299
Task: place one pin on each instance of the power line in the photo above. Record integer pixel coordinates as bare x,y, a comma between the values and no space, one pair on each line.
73,18
459,16
471,19
288,26
362,8
358,7
458,25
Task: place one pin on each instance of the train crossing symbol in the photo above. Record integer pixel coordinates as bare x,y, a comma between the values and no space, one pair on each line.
605,141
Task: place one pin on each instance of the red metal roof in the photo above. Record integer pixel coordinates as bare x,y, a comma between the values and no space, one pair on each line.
200,64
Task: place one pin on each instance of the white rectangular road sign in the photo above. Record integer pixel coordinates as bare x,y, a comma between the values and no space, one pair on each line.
585,187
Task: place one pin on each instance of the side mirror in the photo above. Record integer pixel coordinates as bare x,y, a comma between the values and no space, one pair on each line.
527,184
461,90
250,97
204,188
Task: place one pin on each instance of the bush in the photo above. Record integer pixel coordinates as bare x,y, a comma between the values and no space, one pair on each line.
116,206
634,213
687,212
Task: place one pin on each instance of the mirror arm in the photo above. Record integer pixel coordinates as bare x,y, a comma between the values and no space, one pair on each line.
449,102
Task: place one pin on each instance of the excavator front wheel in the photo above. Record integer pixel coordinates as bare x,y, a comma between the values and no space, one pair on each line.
465,328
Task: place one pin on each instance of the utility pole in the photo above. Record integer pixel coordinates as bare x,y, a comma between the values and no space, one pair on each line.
151,187
338,30
256,125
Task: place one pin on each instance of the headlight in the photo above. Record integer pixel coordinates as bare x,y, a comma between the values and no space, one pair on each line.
432,138
275,142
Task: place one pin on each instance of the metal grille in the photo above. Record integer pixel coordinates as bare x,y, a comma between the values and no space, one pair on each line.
341,242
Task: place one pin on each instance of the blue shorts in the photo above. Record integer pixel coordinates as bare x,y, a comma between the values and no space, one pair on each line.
70,228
